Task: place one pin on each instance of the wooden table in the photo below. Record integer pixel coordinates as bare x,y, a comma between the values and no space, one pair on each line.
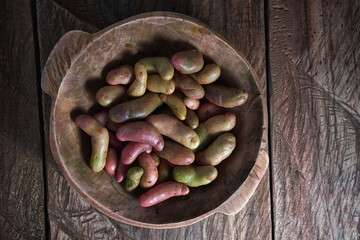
307,55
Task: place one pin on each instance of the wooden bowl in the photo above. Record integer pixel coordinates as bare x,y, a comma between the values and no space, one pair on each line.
76,68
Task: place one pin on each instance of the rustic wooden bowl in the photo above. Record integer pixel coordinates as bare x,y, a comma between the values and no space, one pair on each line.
76,68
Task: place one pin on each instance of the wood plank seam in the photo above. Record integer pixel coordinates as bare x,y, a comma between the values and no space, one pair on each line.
269,107
41,114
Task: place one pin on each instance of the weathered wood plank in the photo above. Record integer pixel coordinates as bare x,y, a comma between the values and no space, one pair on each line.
314,59
21,173
70,216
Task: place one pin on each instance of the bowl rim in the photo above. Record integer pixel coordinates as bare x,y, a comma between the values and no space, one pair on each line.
260,162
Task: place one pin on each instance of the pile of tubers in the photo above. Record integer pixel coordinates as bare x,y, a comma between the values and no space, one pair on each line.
147,149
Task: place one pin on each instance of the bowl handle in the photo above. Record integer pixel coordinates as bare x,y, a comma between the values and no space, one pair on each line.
60,59
238,200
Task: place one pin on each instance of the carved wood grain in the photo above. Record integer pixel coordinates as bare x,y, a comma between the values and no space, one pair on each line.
314,60
69,214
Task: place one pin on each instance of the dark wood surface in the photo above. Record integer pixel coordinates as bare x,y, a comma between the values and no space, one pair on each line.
21,161
315,82
312,190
